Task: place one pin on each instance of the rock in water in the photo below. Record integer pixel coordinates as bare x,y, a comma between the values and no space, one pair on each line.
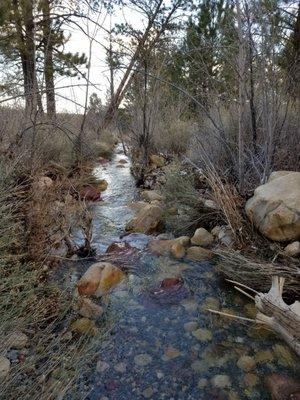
147,219
90,193
102,185
86,308
84,326
282,387
89,282
275,207
246,363
110,277
196,253
202,238
4,367
99,278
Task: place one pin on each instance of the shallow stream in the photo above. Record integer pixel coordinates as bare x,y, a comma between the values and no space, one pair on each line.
167,345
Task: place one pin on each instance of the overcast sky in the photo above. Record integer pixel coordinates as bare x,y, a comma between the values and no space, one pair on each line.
74,97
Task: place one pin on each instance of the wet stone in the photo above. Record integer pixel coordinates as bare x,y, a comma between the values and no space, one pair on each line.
251,380
264,356
203,335
246,363
142,360
190,326
102,366
171,353
221,381
148,393
202,383
120,367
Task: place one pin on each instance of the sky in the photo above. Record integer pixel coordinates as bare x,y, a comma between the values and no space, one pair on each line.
72,98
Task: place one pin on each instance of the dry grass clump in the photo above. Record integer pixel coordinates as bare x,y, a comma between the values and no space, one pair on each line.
181,194
255,274
32,301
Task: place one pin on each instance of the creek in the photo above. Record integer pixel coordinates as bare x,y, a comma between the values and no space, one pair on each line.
166,345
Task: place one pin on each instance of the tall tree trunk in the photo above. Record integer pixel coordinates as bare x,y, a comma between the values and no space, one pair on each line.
48,59
241,83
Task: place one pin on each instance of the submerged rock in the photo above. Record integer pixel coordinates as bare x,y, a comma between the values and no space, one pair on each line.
202,334
4,367
283,387
275,207
221,381
202,238
118,248
246,363
174,247
142,360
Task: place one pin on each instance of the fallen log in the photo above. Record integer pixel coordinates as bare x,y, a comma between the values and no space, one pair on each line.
282,318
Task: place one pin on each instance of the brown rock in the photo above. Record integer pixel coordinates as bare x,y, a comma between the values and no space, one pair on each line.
90,193
102,185
86,308
292,249
169,282
84,326
283,387
246,363
123,161
177,250
147,220
202,238
119,248
4,367
196,253
99,278
17,340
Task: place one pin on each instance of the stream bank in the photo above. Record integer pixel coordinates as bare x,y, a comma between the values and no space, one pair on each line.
163,343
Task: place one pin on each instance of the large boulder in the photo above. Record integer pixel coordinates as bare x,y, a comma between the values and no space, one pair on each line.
275,207
147,219
196,253
99,278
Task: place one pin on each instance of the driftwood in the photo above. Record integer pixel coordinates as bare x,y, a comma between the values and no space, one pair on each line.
282,318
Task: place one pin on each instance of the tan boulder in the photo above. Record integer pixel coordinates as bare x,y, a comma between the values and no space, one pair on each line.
275,207
202,238
157,161
147,219
278,174
184,240
292,249
196,253
99,278
151,195
137,205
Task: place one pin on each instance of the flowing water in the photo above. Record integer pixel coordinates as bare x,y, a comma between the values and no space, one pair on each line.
164,344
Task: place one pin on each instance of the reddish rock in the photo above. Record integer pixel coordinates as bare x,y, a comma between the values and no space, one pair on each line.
283,387
169,282
119,248
90,193
123,161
